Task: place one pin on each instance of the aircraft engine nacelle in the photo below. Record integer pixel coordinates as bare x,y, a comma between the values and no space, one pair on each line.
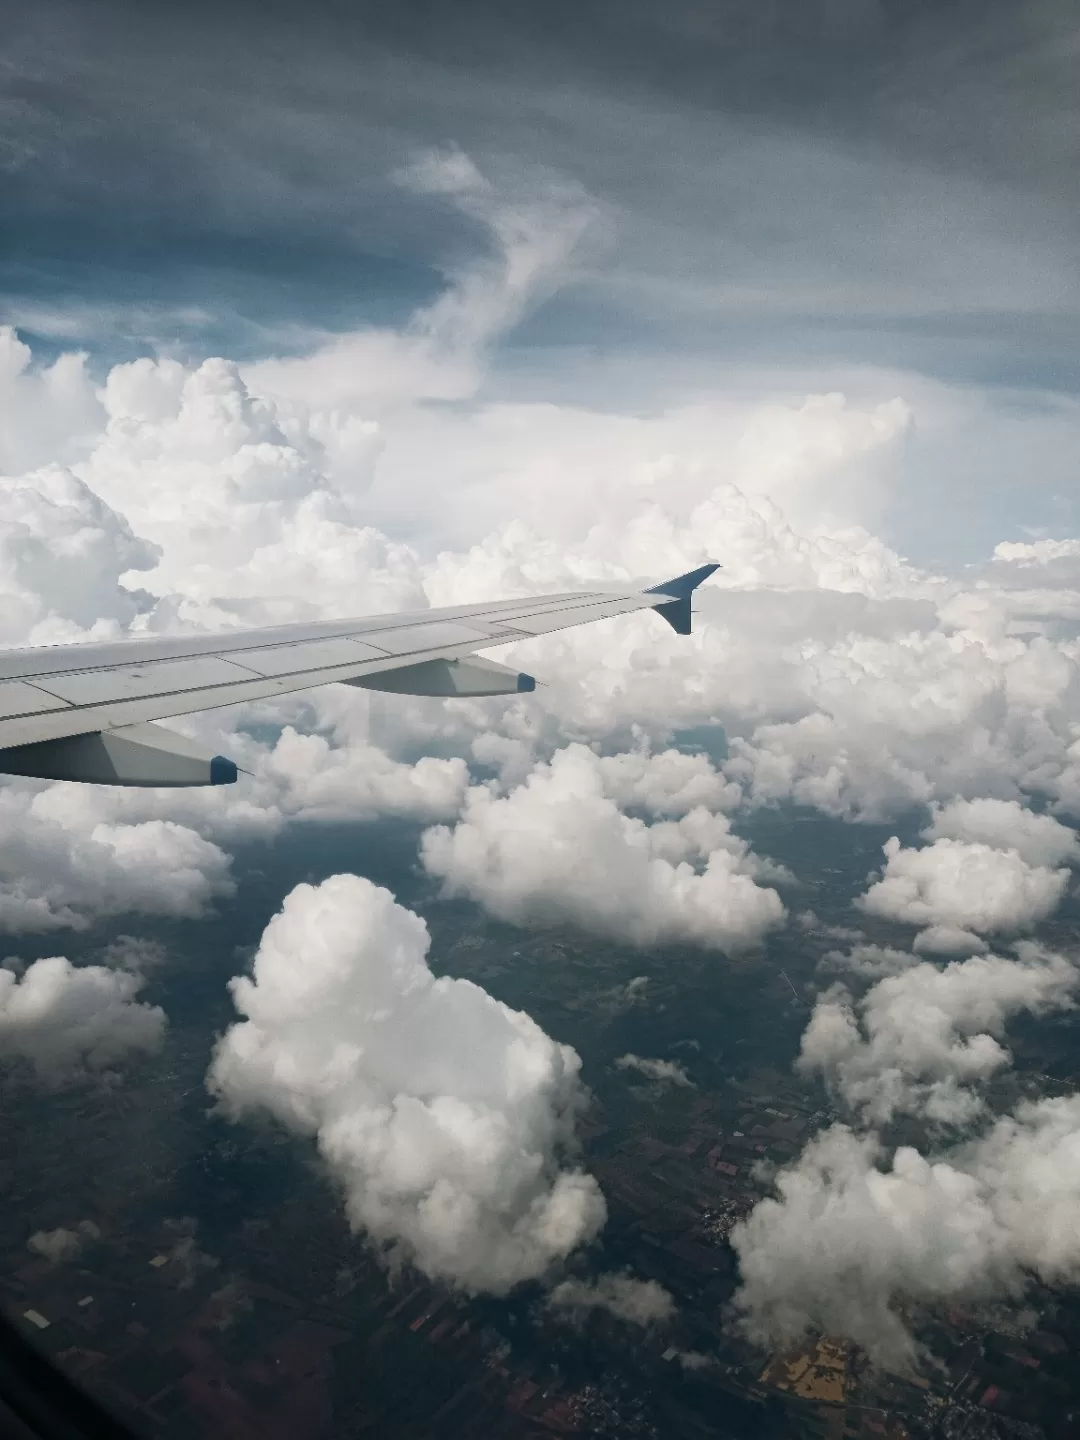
130,755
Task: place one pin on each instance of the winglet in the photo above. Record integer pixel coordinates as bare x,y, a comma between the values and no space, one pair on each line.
677,610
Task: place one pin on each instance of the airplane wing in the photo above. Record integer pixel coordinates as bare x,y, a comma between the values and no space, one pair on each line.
86,712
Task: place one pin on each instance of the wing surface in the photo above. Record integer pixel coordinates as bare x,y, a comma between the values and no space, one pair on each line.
52,692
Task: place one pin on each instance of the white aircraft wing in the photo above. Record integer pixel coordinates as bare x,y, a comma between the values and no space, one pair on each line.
86,712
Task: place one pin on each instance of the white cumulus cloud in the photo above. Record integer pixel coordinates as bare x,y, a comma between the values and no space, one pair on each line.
919,1041
853,1231
869,962
62,864
447,1117
1006,825
61,1017
948,940
668,1072
558,850
967,886
62,553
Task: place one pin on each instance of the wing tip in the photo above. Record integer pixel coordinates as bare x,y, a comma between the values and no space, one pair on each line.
683,586
675,607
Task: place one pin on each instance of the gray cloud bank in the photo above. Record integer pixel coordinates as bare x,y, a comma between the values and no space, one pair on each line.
810,138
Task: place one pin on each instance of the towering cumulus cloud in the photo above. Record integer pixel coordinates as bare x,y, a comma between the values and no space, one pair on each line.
62,552
445,1115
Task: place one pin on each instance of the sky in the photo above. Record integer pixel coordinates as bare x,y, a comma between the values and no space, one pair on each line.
873,197
324,312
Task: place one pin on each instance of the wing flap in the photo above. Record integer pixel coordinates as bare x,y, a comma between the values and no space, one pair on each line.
308,655
130,682
408,639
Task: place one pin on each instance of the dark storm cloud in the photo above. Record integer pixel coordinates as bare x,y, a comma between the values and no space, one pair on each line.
782,178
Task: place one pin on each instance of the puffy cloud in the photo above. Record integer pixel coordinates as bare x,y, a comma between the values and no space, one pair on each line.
816,762
444,1114
812,923
886,722
663,1071
964,886
695,1360
638,1302
649,493
1052,560
851,1233
666,785
61,865
870,962
70,853
918,1040
61,1017
558,850
61,1244
50,412
62,553
299,775
315,781
235,493
948,940
1006,825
